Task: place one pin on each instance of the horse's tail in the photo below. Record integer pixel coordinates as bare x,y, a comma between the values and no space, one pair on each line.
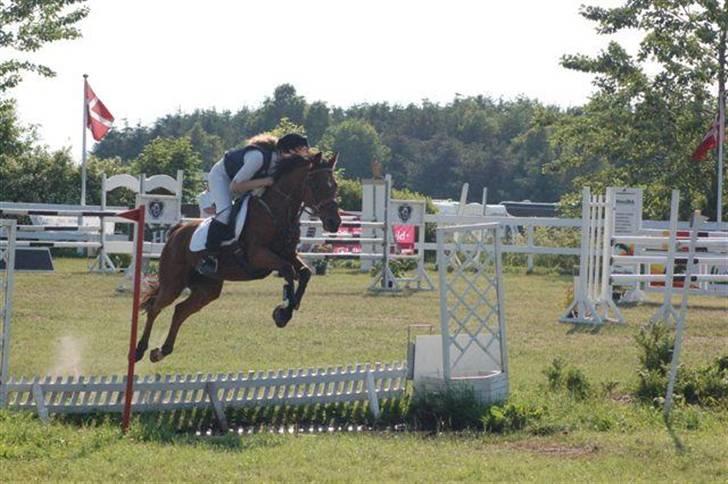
149,294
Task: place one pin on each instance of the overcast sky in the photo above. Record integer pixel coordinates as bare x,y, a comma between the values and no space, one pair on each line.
148,58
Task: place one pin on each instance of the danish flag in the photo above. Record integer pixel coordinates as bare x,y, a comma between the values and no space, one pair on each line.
98,118
709,142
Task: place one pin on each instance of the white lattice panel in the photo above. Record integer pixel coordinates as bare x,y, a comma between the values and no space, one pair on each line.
471,300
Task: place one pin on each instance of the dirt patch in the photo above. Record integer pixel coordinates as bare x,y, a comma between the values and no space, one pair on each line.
624,398
551,448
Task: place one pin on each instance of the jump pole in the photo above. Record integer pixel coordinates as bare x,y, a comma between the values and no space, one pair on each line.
138,216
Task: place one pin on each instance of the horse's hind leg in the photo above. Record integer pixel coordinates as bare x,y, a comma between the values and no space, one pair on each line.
163,298
203,293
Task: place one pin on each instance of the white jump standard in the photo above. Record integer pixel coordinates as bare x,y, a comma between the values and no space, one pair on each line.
472,348
598,265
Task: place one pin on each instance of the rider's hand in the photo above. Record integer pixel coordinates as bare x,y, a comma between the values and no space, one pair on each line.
266,182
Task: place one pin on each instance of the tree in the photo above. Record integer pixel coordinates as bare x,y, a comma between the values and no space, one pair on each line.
36,176
26,25
166,156
124,143
208,146
639,129
358,144
285,103
317,121
286,126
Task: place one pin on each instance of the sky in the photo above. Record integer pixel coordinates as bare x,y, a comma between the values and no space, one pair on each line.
149,58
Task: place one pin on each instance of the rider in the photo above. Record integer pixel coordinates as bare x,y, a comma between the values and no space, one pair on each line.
238,172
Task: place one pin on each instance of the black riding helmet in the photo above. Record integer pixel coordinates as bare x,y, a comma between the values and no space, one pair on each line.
291,141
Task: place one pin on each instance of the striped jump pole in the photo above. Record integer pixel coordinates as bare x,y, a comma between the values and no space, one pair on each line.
62,213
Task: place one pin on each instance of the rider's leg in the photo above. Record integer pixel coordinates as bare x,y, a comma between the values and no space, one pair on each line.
219,184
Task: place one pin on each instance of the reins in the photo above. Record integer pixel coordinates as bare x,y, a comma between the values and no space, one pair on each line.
315,209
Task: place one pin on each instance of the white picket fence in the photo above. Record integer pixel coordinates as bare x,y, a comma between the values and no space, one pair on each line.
154,393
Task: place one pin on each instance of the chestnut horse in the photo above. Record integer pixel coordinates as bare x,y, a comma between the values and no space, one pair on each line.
267,243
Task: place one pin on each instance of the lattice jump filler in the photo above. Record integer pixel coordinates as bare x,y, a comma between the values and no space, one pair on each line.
472,347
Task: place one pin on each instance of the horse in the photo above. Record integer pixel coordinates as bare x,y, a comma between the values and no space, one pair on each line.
267,243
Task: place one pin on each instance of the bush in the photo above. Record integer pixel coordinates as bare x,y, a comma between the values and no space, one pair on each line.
572,379
702,386
656,345
455,408
510,417
555,374
577,384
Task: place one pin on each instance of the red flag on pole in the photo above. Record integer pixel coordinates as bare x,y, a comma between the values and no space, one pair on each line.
710,141
99,119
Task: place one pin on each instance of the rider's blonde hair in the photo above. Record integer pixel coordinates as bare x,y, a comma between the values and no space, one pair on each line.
264,140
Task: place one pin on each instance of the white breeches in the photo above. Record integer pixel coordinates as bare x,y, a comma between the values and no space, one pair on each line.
219,184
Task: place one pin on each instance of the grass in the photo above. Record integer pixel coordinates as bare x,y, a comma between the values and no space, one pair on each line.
72,322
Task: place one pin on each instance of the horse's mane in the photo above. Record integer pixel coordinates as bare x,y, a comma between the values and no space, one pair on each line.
286,165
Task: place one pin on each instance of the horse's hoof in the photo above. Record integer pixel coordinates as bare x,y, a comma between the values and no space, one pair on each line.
281,316
139,354
156,355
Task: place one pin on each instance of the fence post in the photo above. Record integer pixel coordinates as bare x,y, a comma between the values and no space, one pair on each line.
7,299
529,234
695,223
217,407
372,392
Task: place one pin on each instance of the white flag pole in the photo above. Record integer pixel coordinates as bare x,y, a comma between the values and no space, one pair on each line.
83,147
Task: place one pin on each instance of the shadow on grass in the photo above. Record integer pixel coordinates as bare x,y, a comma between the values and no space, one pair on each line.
585,329
200,427
657,304
679,446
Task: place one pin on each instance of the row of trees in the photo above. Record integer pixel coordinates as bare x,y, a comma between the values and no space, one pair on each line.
638,128
427,148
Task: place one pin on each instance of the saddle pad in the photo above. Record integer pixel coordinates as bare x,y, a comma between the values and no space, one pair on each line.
197,243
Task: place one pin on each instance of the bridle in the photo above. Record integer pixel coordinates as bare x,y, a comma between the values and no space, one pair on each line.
315,210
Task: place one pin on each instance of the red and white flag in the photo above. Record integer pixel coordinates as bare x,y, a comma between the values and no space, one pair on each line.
98,118
710,141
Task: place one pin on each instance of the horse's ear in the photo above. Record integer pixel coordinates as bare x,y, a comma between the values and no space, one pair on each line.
316,159
334,159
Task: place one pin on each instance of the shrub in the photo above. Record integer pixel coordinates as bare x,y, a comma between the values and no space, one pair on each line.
555,374
454,408
656,346
509,417
572,379
701,386
577,384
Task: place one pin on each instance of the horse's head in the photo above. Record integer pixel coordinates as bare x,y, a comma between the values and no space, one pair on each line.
319,192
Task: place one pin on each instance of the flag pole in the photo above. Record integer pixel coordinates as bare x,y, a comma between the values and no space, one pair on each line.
721,137
83,146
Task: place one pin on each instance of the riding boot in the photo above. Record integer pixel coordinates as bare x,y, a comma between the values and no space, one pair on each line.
216,234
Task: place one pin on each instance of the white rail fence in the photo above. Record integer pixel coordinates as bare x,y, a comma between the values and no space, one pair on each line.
601,267
83,395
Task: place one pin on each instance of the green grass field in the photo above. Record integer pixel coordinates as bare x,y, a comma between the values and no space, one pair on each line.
72,322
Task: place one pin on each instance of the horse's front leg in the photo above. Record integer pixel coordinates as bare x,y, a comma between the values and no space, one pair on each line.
304,274
264,259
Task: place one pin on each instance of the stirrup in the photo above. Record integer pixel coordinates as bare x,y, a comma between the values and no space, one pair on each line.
208,265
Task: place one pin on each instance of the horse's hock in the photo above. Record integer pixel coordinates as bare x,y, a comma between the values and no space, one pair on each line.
471,351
